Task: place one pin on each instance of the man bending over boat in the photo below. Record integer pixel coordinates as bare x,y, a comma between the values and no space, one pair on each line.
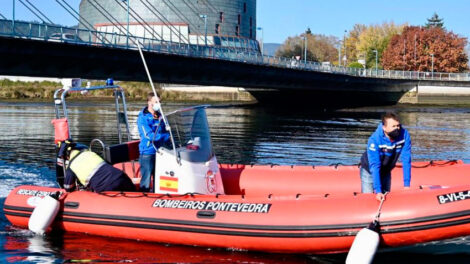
93,173
385,145
152,136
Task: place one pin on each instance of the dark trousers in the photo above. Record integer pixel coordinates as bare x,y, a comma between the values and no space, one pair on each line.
108,178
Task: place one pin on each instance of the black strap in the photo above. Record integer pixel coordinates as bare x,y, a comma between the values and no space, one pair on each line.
70,161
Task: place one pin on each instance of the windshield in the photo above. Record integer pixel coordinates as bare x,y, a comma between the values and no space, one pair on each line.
191,133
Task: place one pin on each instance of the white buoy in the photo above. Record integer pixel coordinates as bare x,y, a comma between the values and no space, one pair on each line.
43,215
366,242
364,246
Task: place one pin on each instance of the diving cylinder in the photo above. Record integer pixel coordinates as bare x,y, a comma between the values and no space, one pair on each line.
43,215
364,247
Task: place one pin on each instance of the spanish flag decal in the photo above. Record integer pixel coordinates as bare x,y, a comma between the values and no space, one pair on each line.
169,184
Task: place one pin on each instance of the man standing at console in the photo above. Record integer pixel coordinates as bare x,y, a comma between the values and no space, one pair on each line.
384,147
153,134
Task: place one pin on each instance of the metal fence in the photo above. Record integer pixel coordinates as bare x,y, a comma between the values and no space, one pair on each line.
45,32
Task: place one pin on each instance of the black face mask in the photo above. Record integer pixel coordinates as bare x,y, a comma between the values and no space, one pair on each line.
394,134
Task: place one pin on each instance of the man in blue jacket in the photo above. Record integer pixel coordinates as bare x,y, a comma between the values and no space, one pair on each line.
384,147
153,135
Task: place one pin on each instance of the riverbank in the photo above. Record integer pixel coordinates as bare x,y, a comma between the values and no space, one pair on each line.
439,93
137,91
44,91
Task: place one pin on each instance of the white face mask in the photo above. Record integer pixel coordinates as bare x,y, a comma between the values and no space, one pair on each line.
156,107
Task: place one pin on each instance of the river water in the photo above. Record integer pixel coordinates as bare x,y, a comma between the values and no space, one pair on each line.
240,135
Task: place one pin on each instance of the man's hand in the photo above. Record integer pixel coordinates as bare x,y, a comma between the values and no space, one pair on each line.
380,197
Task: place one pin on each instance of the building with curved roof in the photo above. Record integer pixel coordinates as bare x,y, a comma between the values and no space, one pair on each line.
221,23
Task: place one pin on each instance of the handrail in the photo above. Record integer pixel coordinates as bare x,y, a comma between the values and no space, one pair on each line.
247,54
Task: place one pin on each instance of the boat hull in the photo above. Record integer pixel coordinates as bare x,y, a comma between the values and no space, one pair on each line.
274,223
333,179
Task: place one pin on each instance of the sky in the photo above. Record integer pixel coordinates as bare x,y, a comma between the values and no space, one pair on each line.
281,19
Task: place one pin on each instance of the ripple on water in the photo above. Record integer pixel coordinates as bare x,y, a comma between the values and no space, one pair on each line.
13,175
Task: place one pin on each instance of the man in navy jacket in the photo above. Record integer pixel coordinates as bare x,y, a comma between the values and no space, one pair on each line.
153,135
384,147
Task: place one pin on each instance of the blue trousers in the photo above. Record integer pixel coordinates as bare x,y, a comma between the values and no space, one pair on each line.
367,182
147,168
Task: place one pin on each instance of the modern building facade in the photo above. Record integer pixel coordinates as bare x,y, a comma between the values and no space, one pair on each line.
224,23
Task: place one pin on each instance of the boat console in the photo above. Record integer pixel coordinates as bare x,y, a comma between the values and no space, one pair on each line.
191,166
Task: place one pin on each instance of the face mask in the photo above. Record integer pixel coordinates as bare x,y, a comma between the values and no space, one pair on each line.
156,107
394,133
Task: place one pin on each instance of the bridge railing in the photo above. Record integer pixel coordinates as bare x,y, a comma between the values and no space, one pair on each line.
56,33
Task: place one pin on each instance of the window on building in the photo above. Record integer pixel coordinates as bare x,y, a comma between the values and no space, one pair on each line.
221,16
237,31
244,7
251,33
217,28
239,19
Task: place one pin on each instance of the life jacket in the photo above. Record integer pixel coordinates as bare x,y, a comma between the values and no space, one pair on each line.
85,164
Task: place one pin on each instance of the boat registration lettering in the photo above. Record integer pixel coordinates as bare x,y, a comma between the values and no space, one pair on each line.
213,206
35,192
453,197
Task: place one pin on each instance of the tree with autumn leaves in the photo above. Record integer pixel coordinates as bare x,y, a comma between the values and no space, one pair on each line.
415,47
396,47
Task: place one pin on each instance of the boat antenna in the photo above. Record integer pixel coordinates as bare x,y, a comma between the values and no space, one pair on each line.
167,125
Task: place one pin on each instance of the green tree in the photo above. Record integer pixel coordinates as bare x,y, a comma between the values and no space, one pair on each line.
320,48
351,41
376,37
435,21
355,65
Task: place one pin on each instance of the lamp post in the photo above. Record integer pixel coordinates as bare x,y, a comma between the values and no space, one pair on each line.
376,62
344,43
305,50
365,60
13,21
339,54
205,28
262,40
127,39
432,65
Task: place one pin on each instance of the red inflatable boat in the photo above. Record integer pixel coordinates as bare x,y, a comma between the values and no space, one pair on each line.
274,223
264,208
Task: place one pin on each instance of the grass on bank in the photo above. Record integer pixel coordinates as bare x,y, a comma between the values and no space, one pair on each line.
135,91
45,89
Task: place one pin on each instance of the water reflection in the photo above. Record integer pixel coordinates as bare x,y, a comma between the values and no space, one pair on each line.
73,248
246,134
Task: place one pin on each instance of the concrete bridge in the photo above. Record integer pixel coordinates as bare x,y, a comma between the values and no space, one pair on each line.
269,79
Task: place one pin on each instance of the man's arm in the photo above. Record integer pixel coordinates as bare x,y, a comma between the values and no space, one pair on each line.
70,179
406,160
161,132
145,130
373,155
